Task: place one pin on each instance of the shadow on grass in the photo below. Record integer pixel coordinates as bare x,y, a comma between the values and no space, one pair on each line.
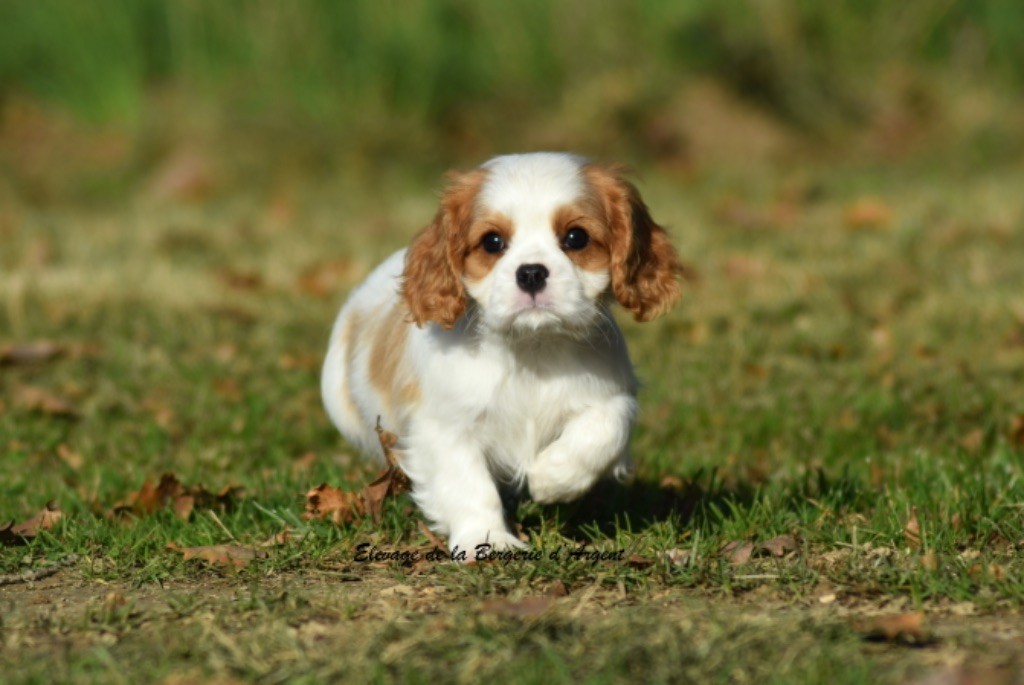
703,500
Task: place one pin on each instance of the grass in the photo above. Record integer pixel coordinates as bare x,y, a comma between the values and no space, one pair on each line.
849,359
371,85
846,370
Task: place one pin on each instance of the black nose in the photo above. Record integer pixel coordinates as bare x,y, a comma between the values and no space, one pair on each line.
531,277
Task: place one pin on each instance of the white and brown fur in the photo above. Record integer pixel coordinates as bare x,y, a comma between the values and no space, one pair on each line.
488,380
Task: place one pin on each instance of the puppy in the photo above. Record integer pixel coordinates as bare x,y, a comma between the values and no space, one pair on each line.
488,346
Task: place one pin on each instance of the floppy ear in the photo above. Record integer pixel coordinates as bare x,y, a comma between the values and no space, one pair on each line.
432,279
645,269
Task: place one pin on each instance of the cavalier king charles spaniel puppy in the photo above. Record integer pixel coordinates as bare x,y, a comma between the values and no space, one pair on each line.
488,346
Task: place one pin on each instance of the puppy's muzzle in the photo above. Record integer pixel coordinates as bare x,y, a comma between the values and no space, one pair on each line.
531,278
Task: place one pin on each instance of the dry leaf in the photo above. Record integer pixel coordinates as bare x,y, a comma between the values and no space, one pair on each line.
240,280
13,534
325,279
391,483
558,589
957,522
183,506
229,389
277,540
867,213
234,556
635,561
170,491
526,608
973,441
46,519
162,414
309,361
340,506
673,483
1017,432
778,547
8,538
929,561
677,557
70,457
303,464
907,628
970,675
29,353
186,176
738,551
740,268
44,402
429,534
912,531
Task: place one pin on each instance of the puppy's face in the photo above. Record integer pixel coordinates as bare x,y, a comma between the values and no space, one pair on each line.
536,241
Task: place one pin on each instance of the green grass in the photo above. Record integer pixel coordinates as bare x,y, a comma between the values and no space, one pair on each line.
370,85
818,380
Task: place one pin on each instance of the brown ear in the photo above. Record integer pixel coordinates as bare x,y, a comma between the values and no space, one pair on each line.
432,279
645,269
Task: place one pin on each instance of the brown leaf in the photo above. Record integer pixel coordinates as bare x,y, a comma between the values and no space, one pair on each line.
526,608
340,506
912,531
907,628
162,414
388,441
635,561
277,539
326,279
29,353
390,483
343,506
46,519
778,547
234,556
186,176
742,268
1017,432
738,552
866,214
966,674
44,402
8,538
929,561
300,361
229,389
183,506
429,534
374,494
677,557
303,464
13,534
70,457
170,491
240,280
673,483
973,441
558,589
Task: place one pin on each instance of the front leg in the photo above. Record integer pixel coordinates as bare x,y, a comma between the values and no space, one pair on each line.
593,442
454,488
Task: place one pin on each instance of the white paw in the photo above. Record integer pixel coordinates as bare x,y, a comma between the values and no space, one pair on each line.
473,541
552,479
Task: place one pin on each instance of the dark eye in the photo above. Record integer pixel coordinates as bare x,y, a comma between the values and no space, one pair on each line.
575,239
493,243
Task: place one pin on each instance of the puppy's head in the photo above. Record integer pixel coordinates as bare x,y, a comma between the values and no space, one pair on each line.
536,241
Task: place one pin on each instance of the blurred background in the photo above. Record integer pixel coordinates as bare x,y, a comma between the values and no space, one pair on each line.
99,99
